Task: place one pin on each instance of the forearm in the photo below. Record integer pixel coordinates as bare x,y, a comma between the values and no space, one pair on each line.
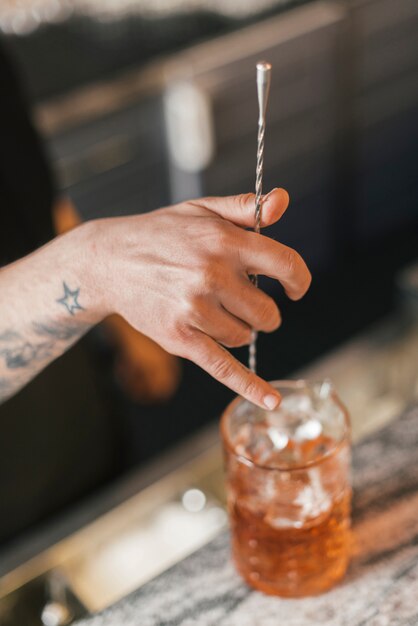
48,300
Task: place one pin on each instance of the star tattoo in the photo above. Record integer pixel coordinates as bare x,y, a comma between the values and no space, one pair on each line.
70,299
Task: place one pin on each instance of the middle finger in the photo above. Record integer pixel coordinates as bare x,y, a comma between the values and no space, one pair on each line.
251,305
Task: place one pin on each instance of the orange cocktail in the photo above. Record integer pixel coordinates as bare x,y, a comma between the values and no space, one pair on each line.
288,489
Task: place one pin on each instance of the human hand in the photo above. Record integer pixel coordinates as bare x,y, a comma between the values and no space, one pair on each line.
180,276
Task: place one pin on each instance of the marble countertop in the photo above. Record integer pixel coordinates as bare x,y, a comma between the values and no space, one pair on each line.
381,587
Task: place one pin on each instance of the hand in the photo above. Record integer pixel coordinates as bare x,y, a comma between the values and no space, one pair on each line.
145,371
180,276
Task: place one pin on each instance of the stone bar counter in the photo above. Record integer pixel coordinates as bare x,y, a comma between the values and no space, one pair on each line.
380,588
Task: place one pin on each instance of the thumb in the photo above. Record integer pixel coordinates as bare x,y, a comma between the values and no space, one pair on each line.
240,209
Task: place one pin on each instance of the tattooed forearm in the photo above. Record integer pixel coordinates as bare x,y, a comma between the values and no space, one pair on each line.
22,358
24,352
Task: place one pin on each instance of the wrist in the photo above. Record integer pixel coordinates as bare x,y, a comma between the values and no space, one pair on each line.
88,262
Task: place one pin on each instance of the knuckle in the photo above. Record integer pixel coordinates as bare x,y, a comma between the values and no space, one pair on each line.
249,387
223,231
243,200
238,338
222,369
268,315
194,309
212,276
185,311
276,319
289,260
303,285
181,333
194,281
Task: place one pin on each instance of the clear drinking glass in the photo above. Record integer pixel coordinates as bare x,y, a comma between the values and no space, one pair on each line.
288,489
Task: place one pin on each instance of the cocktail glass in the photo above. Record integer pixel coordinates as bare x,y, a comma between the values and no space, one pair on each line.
288,489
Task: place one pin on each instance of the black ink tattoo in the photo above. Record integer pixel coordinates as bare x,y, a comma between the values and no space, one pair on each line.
24,353
9,335
60,331
24,356
70,299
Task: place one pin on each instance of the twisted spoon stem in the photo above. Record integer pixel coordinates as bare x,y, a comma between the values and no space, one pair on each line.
252,356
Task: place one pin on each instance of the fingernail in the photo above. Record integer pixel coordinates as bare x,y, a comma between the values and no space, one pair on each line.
267,196
271,401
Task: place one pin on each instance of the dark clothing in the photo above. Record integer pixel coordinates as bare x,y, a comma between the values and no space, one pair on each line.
26,186
57,438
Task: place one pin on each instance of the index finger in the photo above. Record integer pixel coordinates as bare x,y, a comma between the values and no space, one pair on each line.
262,255
220,364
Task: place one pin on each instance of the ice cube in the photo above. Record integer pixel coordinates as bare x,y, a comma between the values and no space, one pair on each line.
254,442
325,389
313,499
309,430
280,440
296,403
298,503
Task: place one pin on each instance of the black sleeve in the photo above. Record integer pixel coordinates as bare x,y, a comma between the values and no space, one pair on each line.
26,185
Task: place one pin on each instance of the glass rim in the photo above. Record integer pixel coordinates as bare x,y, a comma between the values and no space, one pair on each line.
295,384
